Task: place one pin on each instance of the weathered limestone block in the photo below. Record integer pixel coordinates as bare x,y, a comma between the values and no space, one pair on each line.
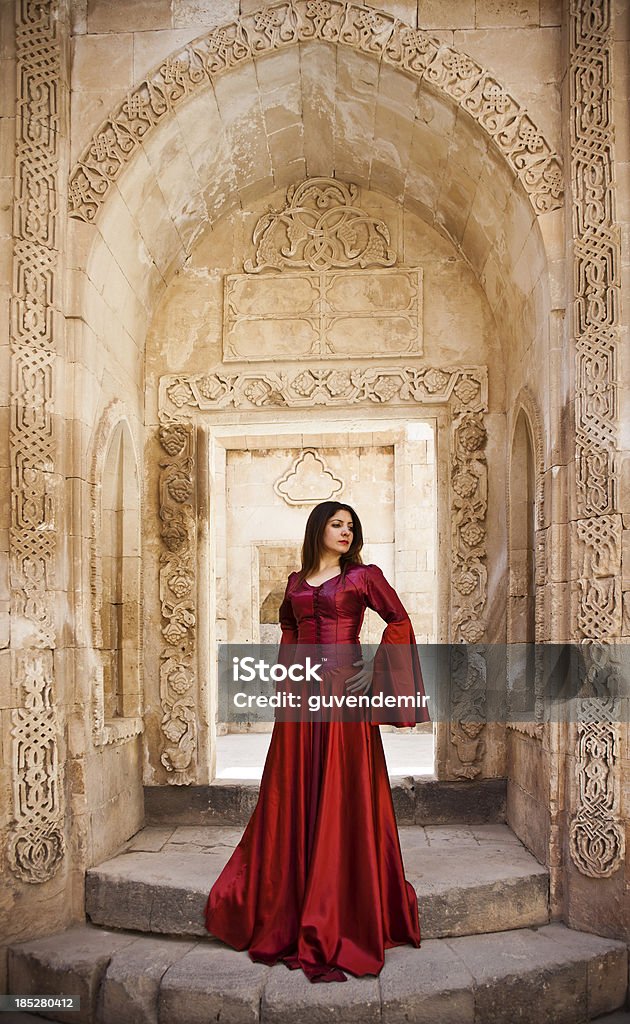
290,996
427,986
527,975
211,982
129,992
73,963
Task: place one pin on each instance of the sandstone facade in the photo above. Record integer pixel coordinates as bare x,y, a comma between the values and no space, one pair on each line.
257,255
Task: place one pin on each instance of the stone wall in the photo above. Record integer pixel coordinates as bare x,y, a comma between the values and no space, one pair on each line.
158,218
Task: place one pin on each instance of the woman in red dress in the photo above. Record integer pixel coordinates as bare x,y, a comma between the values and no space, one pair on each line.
317,880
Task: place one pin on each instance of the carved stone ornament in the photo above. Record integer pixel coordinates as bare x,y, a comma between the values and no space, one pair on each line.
279,25
322,228
185,400
36,844
597,835
308,480
178,696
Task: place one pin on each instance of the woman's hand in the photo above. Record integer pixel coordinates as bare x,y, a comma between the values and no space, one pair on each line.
362,681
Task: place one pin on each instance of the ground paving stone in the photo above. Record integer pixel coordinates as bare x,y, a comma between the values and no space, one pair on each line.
70,963
212,983
430,985
289,997
130,989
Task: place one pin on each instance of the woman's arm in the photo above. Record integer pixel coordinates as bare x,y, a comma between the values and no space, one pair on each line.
396,669
286,616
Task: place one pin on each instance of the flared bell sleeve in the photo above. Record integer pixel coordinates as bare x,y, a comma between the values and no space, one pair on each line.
397,672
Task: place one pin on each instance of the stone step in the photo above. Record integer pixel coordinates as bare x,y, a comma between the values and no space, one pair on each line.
417,801
469,880
550,974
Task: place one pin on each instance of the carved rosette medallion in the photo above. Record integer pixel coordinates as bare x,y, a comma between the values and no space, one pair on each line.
36,844
279,25
464,390
596,834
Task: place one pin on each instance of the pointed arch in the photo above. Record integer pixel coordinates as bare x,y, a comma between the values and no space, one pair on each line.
416,52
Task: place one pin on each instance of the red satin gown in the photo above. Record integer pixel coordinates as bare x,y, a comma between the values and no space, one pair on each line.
317,880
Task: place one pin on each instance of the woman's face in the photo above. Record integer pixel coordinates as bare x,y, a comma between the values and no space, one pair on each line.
338,533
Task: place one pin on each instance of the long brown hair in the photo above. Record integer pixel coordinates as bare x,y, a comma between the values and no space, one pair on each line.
314,538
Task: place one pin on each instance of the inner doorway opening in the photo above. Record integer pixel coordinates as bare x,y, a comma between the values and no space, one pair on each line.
264,486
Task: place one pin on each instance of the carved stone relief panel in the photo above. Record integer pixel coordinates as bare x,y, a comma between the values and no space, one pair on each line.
597,836
321,227
178,696
331,302
36,844
330,315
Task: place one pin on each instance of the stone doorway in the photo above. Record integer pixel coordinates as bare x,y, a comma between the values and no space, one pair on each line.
264,484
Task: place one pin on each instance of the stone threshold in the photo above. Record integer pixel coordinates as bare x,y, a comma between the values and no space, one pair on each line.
418,800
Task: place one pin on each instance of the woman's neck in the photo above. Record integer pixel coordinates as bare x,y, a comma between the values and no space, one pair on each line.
332,562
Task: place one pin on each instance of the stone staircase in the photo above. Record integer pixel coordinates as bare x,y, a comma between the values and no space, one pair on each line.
489,954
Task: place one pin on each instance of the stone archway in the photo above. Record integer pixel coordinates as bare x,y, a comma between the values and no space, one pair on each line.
135,242
162,218
135,203
274,28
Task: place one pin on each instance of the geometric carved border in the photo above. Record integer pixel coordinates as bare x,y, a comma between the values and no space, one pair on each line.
185,401
416,52
597,835
36,845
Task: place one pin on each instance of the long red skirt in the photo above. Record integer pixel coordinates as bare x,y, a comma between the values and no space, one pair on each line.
317,880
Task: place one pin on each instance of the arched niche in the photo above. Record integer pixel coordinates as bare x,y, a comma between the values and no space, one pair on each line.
116,581
216,153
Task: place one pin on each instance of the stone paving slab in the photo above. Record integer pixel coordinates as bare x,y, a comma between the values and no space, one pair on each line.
432,987
212,982
551,974
468,880
72,963
131,986
289,997
533,975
